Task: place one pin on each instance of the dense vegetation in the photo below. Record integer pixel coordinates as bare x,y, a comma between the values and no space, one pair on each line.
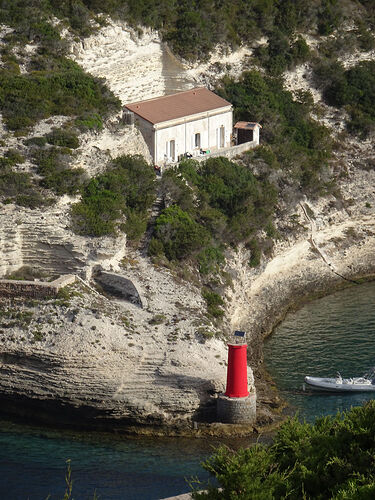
210,205
117,200
332,459
299,145
194,27
53,84
353,89
62,90
53,164
18,187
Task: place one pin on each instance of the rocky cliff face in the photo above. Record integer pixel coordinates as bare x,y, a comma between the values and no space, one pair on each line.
333,248
87,358
42,240
139,67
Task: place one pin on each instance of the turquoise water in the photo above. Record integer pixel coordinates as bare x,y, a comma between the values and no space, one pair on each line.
335,333
32,464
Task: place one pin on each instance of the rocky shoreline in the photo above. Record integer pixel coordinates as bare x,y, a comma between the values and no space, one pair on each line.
331,257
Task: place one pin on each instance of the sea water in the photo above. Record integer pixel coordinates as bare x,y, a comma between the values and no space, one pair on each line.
335,333
33,464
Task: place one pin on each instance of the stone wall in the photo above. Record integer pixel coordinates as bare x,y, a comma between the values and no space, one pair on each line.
34,289
229,152
236,410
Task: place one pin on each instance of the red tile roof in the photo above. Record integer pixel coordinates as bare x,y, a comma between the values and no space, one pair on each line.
247,125
170,107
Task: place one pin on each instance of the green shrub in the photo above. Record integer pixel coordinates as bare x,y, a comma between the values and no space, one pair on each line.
264,153
138,180
209,260
35,141
65,138
330,16
297,141
10,63
214,303
14,183
255,252
180,235
126,189
282,53
355,89
68,181
158,319
365,38
53,166
44,31
135,225
155,247
14,156
174,185
67,90
89,122
33,199
331,459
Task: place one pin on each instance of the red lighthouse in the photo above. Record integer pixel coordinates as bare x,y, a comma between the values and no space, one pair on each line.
237,405
237,371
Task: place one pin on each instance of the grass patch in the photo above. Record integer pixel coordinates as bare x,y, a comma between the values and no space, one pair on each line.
158,319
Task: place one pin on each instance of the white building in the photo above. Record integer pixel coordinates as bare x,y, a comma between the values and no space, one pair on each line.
195,122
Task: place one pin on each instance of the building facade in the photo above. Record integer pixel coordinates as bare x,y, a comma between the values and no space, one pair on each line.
193,123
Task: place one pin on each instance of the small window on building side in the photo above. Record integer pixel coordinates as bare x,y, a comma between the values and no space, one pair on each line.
222,136
197,140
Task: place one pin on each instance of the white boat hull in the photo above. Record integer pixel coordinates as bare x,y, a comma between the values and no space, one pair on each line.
346,385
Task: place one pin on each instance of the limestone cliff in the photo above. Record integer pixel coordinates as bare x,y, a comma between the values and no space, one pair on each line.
86,360
85,357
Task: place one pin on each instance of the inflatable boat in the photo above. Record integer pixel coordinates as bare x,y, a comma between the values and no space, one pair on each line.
366,383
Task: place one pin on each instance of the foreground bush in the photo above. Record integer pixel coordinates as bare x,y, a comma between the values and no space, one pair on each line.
332,459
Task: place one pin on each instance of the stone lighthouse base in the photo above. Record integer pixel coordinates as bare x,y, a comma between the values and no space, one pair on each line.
236,410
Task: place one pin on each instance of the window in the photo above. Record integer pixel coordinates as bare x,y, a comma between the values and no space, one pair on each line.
172,150
222,136
197,140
